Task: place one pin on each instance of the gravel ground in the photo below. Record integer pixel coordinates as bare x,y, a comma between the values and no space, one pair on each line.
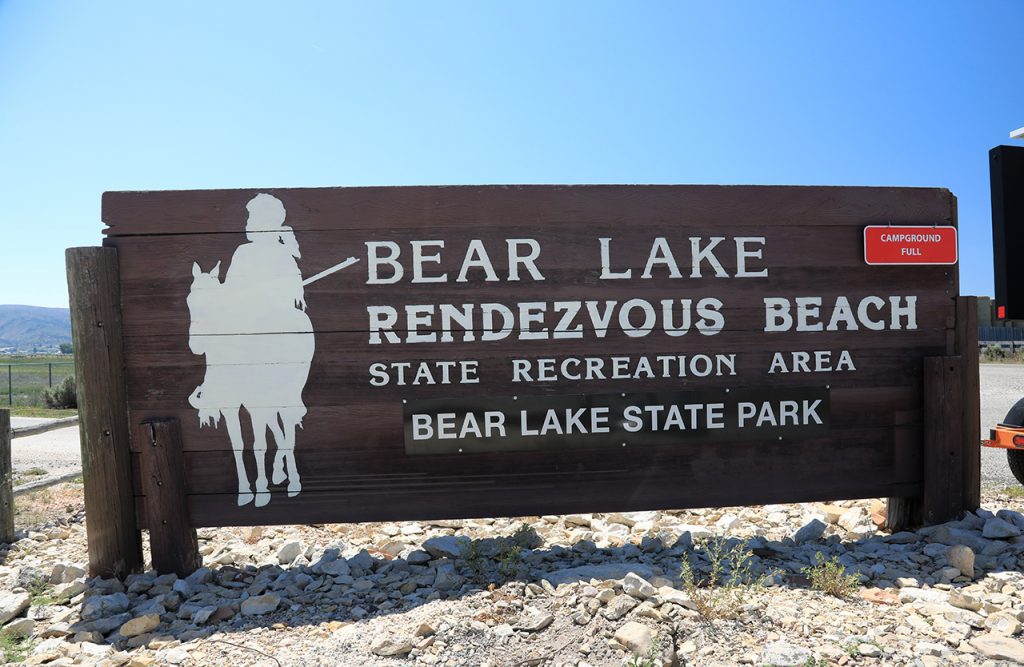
1002,385
585,590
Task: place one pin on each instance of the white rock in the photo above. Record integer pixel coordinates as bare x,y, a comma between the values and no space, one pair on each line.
812,530
727,523
619,607
948,574
669,595
13,605
1003,623
959,598
578,520
102,606
1016,518
637,587
603,571
929,648
23,627
696,532
636,637
203,615
630,519
996,528
336,568
388,646
140,625
445,546
175,656
922,595
852,518
260,604
503,630
961,557
289,552
781,654
534,620
998,647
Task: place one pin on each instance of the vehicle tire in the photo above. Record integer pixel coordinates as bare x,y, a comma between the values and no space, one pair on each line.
1015,457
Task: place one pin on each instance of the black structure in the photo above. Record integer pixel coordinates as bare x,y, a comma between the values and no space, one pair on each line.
1006,165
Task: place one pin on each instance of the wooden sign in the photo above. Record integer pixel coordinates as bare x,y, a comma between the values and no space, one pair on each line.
358,354
884,244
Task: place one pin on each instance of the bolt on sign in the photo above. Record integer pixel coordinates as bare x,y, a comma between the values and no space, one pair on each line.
358,354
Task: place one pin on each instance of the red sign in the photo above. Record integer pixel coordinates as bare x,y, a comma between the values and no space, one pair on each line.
909,245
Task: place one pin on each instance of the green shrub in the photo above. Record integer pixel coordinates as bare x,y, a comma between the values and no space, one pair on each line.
730,581
993,352
829,576
13,649
63,395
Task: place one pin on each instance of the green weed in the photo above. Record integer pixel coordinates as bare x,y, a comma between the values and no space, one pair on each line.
14,649
829,576
729,583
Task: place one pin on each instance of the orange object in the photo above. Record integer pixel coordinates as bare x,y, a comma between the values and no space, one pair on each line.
1005,437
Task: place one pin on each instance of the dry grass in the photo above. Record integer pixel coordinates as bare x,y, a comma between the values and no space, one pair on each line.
36,509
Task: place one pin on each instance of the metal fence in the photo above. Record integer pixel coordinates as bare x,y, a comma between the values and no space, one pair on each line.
999,334
24,382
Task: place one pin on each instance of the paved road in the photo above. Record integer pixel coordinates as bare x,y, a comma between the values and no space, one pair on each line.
57,452
1002,385
22,422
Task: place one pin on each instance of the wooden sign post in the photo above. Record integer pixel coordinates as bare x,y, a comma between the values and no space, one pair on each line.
6,479
368,354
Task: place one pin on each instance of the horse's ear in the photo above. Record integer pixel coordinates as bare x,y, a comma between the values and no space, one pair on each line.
196,271
215,271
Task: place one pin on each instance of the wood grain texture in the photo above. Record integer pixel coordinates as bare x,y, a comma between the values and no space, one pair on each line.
115,546
943,439
350,448
6,480
967,348
376,426
172,537
501,206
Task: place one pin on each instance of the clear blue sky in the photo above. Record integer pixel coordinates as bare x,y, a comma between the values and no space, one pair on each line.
101,96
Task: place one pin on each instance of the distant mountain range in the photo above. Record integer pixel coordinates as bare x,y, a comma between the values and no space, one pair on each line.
31,328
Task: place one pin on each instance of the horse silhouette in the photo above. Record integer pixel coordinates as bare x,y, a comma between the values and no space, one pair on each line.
258,343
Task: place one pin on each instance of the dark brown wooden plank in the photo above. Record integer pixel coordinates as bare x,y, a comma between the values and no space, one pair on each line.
500,206
433,503
863,453
943,439
115,547
172,537
573,253
967,348
372,425
168,387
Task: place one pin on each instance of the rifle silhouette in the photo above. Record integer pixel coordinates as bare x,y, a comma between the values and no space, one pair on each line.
326,272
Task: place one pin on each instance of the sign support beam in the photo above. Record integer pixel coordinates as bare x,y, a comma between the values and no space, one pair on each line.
94,293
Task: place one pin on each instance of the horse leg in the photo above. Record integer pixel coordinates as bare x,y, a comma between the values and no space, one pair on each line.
279,474
237,445
259,450
294,483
